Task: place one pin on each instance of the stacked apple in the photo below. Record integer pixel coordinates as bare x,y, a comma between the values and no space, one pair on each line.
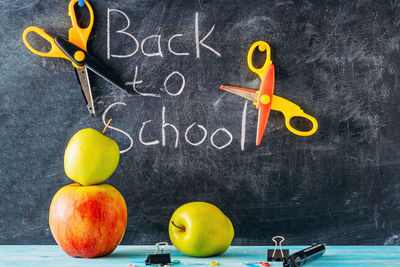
88,219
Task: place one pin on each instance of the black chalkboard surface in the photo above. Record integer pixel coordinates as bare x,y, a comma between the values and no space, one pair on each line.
338,60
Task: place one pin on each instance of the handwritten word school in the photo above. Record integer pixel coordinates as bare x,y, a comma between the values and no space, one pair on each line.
142,46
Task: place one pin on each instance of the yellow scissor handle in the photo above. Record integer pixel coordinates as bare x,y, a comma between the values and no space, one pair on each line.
55,51
262,46
77,35
291,110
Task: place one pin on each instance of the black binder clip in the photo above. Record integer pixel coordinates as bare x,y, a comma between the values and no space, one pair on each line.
159,259
273,255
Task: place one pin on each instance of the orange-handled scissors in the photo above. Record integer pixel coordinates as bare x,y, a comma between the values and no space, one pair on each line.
75,50
264,98
76,35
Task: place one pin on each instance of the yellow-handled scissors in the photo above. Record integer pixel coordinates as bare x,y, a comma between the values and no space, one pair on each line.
264,98
75,50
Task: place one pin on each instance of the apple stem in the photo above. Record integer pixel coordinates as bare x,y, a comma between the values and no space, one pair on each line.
105,128
182,228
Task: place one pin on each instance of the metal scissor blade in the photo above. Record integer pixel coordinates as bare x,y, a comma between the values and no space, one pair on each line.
83,79
243,92
71,51
92,64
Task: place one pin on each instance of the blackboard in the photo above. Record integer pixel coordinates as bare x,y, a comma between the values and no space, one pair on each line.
338,60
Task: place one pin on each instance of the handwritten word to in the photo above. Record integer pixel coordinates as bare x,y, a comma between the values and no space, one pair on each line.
173,75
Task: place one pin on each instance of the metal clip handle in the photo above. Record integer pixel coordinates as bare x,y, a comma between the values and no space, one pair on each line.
161,245
276,244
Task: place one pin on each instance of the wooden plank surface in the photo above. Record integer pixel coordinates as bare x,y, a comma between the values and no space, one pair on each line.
41,255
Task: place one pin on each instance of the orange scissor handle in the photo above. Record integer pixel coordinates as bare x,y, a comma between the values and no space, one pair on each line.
291,110
262,46
77,35
55,51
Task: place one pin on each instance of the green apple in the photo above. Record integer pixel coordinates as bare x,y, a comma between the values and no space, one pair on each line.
200,229
90,157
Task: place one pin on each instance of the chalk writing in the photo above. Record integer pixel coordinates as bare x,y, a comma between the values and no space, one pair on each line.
164,125
182,85
201,42
172,51
173,86
202,140
225,145
155,142
123,31
135,82
157,38
243,136
116,129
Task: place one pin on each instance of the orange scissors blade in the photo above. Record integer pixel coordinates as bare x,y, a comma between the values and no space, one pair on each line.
264,101
77,35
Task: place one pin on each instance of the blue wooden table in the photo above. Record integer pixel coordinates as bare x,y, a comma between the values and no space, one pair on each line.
366,256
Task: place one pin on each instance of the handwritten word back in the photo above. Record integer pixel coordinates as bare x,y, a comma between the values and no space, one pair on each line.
157,38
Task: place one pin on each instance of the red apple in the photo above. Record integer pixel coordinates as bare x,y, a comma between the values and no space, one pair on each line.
88,221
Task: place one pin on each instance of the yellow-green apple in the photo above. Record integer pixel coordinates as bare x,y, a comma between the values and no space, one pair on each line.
88,221
200,229
90,157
